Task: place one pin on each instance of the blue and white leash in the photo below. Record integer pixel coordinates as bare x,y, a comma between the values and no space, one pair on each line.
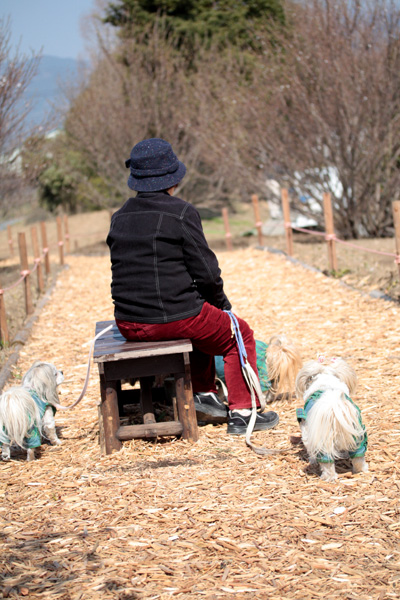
251,380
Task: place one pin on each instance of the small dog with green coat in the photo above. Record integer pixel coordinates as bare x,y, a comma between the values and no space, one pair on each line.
27,411
278,363
330,422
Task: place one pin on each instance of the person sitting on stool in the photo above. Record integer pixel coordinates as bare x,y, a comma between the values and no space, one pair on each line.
166,284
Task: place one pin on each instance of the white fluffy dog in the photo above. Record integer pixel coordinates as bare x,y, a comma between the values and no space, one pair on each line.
27,411
330,422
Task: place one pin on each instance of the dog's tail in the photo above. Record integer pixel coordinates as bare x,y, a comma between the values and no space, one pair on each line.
333,426
283,363
18,414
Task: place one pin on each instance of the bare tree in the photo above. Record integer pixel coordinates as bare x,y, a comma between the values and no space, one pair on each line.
325,110
142,90
16,72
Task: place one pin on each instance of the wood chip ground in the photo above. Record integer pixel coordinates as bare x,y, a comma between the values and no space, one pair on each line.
210,520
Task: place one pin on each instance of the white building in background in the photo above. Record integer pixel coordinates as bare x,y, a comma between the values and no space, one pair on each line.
275,224
325,178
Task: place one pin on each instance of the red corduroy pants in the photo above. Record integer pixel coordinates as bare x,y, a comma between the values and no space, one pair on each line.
211,335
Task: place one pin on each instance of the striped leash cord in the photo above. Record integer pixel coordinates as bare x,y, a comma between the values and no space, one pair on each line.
254,386
83,392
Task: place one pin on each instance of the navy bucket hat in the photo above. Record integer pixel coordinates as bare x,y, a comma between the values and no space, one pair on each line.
154,166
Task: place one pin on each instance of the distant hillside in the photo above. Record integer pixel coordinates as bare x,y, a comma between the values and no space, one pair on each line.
44,90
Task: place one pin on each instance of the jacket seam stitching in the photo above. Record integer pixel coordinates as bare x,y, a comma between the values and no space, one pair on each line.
193,241
157,212
160,302
183,211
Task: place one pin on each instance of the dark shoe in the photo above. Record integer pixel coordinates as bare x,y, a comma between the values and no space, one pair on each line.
209,405
237,424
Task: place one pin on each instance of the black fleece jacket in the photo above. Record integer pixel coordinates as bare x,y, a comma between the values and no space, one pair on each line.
162,267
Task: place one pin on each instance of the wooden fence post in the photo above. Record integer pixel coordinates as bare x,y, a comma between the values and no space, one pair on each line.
66,234
228,235
4,337
36,255
330,231
256,208
60,240
25,271
396,219
287,222
45,248
10,241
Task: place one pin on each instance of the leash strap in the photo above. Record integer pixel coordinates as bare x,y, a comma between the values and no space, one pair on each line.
83,392
252,382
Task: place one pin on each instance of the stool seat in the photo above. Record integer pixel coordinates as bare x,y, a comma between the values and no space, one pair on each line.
119,359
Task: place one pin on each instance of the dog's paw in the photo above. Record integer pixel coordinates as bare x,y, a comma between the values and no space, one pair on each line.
328,477
5,452
328,472
359,465
30,455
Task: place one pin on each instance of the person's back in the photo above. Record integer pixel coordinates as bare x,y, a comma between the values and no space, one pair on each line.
158,251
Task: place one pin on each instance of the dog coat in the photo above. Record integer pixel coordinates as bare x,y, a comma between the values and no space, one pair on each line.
33,439
261,351
302,413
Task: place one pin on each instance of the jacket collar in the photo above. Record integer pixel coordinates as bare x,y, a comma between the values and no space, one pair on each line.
151,194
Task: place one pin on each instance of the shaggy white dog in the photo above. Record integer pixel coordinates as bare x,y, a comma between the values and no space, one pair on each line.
330,422
27,411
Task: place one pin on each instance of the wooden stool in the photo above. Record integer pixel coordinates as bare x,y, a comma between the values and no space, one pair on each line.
119,359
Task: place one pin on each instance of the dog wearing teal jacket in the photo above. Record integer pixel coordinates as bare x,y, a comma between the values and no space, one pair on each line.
27,411
330,422
278,363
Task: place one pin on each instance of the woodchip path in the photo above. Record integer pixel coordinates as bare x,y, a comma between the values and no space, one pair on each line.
210,520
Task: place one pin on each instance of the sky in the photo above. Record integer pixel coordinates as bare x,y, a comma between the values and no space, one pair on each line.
51,25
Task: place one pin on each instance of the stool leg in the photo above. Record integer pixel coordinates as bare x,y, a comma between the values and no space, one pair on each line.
146,400
119,395
109,416
184,397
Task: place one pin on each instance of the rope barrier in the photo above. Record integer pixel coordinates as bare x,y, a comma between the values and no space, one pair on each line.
320,233
13,285
333,237
25,273
366,249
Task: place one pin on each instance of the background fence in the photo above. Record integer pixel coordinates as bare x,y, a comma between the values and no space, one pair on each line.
328,235
30,257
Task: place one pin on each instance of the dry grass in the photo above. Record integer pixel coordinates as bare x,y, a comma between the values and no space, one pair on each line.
209,520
